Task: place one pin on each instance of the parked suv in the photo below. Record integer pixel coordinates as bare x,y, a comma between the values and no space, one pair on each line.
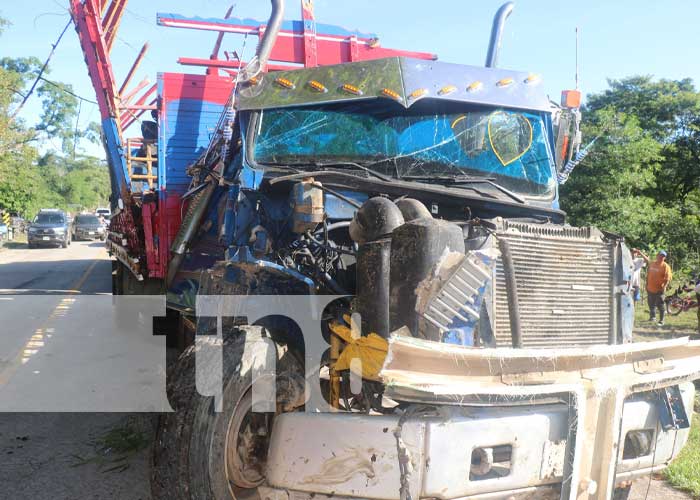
88,227
49,228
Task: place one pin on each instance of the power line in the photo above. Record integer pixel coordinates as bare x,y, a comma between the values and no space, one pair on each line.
64,89
41,72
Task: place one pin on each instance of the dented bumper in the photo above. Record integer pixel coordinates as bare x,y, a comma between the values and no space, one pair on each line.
502,423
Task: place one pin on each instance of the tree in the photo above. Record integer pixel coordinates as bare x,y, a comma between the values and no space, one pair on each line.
641,180
28,180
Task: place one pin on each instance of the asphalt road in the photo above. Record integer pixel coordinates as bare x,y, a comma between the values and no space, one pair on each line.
62,455
58,455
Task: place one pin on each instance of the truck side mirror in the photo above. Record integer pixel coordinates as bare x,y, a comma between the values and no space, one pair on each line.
567,128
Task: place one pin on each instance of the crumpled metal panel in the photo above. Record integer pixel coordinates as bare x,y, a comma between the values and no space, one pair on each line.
564,278
411,79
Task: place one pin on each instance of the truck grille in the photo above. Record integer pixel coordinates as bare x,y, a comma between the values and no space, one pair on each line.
564,277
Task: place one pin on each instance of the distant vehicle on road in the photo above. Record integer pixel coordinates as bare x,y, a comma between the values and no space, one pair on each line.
49,228
104,212
88,227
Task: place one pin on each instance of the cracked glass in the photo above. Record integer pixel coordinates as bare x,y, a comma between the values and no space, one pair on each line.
429,141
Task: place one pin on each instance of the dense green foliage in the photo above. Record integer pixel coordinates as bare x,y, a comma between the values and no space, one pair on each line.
39,167
642,179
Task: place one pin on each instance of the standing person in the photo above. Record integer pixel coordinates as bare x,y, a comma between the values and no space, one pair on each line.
637,264
659,275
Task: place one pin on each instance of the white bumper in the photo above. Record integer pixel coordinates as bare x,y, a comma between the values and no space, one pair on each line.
345,455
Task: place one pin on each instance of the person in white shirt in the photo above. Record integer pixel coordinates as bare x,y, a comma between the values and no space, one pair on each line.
637,264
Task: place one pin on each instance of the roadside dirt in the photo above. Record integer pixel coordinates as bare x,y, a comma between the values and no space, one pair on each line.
655,489
53,456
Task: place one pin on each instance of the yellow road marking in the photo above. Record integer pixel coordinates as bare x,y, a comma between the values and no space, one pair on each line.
37,340
76,287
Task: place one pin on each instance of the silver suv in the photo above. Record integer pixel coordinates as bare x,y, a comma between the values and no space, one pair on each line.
49,228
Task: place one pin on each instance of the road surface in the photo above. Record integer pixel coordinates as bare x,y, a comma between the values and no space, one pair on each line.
59,455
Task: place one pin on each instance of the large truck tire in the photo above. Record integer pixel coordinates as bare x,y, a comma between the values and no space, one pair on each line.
199,453
128,313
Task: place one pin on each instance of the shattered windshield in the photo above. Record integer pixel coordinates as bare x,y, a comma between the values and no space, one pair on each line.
426,142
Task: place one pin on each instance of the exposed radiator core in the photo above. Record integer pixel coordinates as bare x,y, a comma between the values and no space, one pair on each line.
564,279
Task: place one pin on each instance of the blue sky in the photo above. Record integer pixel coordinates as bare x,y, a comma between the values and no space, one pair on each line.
617,38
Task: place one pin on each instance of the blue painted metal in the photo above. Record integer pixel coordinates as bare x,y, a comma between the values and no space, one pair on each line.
242,255
624,270
230,215
121,184
252,24
185,132
339,209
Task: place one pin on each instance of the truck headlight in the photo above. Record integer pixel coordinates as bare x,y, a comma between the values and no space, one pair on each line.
32,230
100,229
59,230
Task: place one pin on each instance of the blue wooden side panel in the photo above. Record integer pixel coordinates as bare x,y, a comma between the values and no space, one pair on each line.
186,128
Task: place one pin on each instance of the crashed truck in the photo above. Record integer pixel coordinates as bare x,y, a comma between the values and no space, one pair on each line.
477,346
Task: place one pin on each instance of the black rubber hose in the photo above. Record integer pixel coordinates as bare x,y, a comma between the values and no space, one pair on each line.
516,331
188,228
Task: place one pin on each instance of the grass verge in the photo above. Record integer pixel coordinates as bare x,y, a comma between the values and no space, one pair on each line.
20,241
684,472
686,323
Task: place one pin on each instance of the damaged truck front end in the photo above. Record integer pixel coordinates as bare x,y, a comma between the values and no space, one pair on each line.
478,347
496,423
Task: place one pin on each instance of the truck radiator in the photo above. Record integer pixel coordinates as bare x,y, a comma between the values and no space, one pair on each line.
564,279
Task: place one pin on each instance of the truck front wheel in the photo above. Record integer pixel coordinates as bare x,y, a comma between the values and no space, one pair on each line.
204,454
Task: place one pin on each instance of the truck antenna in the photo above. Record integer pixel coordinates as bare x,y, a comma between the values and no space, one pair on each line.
576,58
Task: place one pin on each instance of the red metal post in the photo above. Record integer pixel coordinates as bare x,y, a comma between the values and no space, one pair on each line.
217,46
134,116
134,67
192,61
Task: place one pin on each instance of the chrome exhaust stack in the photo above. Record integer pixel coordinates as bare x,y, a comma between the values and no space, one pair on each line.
497,33
267,42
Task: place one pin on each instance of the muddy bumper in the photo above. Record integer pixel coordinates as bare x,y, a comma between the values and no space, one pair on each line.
499,423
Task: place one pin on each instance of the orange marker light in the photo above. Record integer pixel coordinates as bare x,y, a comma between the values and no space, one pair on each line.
475,86
417,94
504,82
532,78
283,82
392,94
351,89
318,86
254,81
446,90
571,98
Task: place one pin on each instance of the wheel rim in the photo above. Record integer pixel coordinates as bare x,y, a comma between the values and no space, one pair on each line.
247,439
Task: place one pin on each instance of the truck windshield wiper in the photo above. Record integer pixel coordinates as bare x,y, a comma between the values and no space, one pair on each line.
331,164
457,180
334,164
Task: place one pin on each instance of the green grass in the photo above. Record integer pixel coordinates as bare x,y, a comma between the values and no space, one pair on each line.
686,323
684,472
116,448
